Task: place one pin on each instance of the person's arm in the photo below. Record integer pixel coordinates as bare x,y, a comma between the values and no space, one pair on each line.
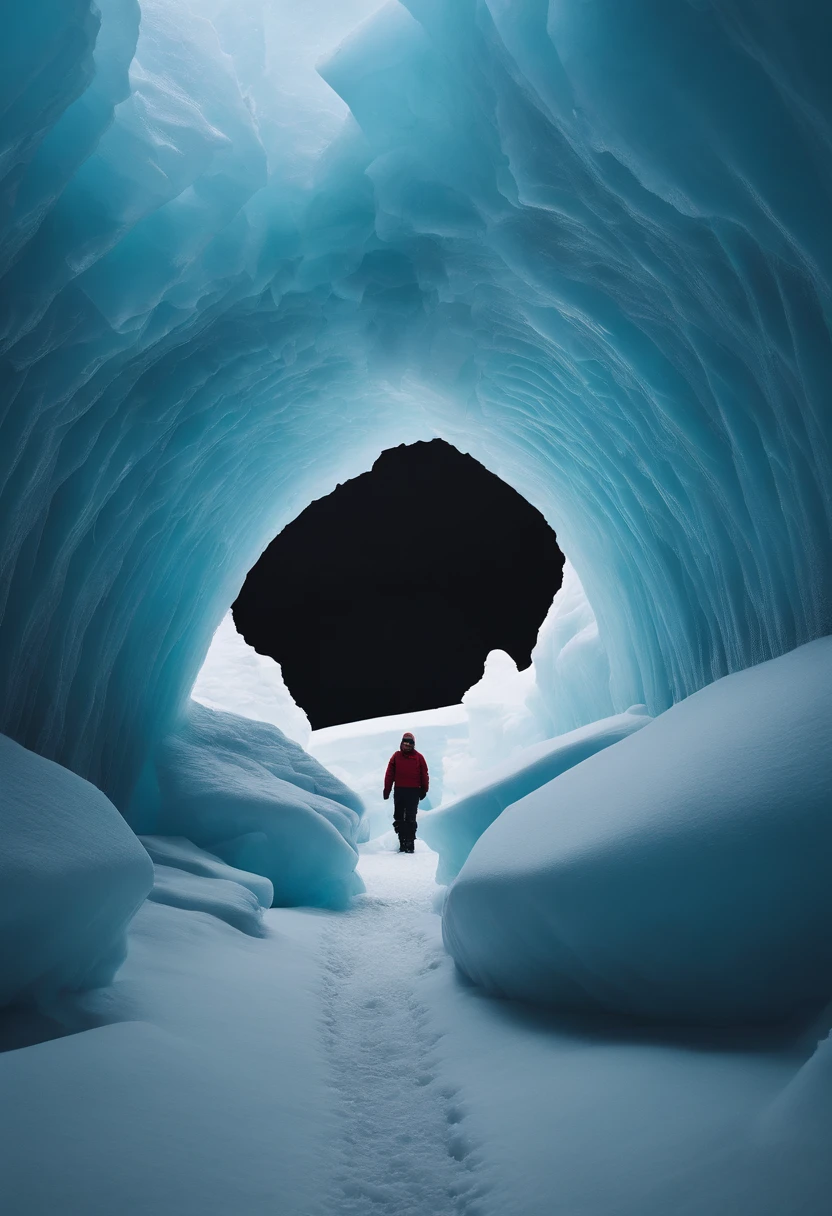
424,778
390,775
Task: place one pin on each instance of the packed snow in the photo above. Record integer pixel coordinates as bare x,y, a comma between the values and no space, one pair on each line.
454,829
194,1083
247,793
72,875
680,875
337,1063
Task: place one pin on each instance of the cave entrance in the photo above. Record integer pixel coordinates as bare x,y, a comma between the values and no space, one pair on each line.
386,596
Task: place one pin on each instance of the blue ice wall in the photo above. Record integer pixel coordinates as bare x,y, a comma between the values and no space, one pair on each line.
587,241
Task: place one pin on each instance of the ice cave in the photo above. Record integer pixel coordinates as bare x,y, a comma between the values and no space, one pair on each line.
245,247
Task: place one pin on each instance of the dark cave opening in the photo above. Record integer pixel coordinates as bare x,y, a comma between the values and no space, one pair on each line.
387,595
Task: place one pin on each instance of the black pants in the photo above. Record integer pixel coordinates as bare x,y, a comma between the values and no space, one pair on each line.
405,804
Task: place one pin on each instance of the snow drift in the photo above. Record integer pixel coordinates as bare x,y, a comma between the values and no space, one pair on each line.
454,829
245,792
72,875
681,874
188,877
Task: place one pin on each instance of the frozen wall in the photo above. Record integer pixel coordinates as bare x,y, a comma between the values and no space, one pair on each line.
236,678
587,241
570,663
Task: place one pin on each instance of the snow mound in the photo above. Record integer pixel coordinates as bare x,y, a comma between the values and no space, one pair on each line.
183,854
788,1151
245,792
454,829
72,875
135,1119
228,901
682,874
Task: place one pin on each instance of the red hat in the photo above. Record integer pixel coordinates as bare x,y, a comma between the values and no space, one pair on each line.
407,735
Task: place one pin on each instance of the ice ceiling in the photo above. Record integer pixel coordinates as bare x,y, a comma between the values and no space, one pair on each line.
246,244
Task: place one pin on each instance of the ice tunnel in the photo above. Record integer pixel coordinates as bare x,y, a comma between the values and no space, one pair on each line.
245,247
586,242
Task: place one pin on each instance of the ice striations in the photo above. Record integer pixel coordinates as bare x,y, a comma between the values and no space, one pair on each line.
586,241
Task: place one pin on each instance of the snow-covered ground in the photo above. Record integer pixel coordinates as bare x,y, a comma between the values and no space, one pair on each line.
337,1064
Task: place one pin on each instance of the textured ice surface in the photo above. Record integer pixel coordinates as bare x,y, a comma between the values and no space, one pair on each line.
454,829
681,874
256,799
571,667
72,875
587,242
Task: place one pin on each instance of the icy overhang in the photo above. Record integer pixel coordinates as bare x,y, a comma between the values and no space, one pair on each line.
587,242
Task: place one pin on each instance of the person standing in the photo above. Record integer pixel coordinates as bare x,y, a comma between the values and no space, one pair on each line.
407,771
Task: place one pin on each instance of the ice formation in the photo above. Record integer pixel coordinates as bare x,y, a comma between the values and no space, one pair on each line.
234,677
571,667
587,242
247,793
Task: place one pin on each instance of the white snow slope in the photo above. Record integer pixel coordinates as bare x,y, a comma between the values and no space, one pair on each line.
339,1066
681,874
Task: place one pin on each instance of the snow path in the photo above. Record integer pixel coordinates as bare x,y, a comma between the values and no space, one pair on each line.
402,1146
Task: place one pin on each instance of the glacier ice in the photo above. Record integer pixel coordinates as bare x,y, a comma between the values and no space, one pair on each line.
234,677
228,901
679,875
571,667
587,242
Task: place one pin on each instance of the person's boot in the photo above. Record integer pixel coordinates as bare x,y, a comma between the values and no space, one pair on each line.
402,843
410,846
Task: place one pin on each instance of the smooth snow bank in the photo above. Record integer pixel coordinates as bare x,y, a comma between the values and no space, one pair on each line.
194,1084
188,877
228,901
182,854
454,829
254,798
235,678
682,874
72,875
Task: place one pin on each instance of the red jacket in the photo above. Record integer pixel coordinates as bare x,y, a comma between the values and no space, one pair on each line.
408,770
